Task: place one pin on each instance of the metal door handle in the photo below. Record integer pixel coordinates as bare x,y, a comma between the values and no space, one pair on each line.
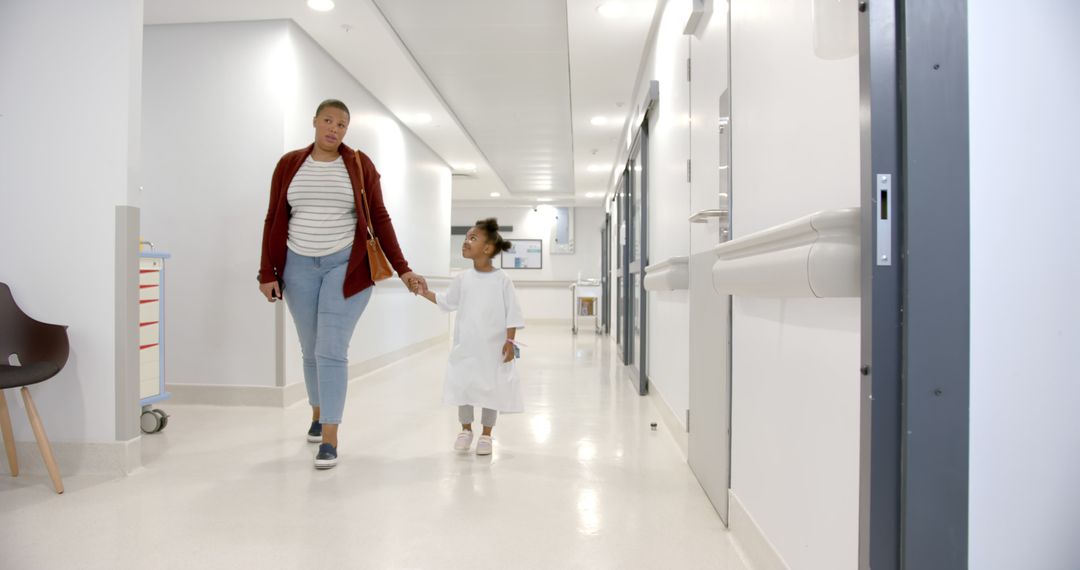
704,215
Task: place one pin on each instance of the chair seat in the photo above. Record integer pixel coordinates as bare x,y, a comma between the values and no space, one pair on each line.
16,376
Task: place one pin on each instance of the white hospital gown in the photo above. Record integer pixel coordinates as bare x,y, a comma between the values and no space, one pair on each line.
486,306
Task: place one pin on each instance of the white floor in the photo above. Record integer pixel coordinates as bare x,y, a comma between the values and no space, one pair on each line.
578,481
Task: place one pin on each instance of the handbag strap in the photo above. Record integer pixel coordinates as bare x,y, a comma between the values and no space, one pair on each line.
363,196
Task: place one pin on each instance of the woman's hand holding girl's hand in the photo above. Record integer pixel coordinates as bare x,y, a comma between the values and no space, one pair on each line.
271,290
416,283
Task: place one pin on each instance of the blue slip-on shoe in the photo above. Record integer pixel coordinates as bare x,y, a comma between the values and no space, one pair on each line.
327,456
314,435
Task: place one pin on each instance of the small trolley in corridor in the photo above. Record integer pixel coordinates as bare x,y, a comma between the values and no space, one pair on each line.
585,302
151,340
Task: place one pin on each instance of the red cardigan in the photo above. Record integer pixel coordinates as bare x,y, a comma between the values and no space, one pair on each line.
276,227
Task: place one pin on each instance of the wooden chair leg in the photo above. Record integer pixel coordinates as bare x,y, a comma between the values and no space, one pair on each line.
43,441
9,436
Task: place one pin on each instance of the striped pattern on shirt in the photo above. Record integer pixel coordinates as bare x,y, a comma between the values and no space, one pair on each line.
323,209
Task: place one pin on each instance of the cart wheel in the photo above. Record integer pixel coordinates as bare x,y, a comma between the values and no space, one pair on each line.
164,418
150,422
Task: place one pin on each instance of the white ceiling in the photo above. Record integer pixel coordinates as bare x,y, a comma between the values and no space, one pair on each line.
510,85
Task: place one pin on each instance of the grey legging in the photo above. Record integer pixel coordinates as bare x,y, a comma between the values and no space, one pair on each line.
487,417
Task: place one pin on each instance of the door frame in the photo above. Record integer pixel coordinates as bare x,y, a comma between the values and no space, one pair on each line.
915,300
639,147
605,275
623,299
643,294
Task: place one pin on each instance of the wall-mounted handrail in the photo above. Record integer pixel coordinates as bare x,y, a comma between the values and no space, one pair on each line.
533,284
812,256
431,279
672,274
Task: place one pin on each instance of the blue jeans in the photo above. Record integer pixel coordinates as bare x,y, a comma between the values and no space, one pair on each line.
325,321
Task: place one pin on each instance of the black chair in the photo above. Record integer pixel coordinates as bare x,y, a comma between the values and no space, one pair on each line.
41,351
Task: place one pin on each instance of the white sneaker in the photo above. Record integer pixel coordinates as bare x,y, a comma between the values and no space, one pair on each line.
464,440
483,447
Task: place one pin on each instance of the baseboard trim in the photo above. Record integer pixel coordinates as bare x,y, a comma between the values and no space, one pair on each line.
76,458
755,548
366,367
671,421
295,393
283,396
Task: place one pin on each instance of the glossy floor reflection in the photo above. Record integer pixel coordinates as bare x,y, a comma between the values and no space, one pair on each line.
577,481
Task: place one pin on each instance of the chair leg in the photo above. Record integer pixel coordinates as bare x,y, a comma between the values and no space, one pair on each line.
43,441
9,436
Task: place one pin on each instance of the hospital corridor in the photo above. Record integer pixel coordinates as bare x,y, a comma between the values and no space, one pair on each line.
539,284
580,480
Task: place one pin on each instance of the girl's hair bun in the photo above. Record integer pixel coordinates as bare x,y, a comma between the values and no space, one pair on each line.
490,226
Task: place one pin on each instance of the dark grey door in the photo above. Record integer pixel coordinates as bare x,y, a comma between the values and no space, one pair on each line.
638,251
605,275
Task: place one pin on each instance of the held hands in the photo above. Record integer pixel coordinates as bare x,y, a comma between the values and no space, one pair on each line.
416,283
508,351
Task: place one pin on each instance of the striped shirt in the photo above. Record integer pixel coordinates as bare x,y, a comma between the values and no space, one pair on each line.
323,209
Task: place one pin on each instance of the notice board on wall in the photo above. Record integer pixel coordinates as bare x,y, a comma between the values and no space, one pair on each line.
524,254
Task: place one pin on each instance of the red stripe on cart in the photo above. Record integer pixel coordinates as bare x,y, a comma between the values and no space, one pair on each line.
146,346
148,324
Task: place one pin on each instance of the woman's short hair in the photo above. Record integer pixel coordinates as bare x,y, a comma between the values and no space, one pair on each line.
332,103
490,227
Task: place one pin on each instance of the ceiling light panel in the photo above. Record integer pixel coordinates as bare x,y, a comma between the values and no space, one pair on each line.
321,5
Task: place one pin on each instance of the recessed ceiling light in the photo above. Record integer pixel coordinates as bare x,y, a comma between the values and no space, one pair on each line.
597,168
495,194
322,5
468,166
612,9
421,118
598,121
594,194
544,199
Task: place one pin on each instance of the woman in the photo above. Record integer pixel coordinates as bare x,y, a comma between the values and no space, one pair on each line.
314,247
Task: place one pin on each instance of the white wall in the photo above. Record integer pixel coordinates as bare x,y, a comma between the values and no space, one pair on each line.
223,102
795,423
668,319
69,120
212,133
1024,496
529,224
669,207
540,303
416,187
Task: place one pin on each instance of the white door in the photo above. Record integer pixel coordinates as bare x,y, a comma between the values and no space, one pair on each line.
709,421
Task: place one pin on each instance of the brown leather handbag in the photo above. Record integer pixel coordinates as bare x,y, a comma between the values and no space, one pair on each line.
377,261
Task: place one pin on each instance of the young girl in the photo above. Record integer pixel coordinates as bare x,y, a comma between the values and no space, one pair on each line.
481,368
